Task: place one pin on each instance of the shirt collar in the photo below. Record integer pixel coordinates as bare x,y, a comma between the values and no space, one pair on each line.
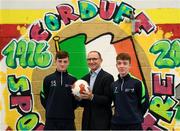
96,71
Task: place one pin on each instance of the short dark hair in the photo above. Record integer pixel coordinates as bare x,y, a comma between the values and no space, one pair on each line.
61,54
99,54
123,56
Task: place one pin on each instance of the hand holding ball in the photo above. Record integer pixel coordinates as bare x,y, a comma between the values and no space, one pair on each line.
79,87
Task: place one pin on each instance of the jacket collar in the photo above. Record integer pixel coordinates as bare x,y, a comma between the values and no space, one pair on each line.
125,77
59,73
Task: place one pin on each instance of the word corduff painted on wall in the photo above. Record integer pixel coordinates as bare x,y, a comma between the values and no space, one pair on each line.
88,10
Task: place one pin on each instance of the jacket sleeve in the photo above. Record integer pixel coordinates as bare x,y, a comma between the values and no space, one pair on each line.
143,97
105,98
44,93
75,102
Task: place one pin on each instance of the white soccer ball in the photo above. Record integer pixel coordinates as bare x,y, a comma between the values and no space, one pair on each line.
79,87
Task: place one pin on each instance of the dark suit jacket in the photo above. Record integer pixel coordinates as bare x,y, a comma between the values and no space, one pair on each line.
97,112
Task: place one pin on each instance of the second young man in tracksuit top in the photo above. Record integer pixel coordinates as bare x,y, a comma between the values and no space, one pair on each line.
130,97
56,96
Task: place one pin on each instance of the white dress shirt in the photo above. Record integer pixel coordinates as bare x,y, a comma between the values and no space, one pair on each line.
93,78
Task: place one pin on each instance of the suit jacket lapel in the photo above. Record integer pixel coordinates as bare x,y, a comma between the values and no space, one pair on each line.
87,78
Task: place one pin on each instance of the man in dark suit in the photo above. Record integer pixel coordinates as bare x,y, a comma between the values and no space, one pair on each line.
97,102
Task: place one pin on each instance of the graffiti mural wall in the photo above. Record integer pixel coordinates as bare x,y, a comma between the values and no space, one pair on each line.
32,31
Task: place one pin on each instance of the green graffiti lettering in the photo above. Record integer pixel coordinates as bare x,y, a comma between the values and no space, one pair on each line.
178,113
21,53
169,54
123,11
175,52
18,84
52,22
27,122
164,109
87,9
10,53
30,54
42,58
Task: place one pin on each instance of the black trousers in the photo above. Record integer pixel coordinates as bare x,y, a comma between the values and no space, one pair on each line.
126,126
56,124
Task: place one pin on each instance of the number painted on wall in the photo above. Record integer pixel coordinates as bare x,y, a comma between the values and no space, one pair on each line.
30,54
169,53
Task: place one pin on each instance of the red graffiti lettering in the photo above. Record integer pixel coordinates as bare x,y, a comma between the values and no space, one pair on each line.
150,123
37,32
67,13
163,86
23,103
107,9
142,22
39,127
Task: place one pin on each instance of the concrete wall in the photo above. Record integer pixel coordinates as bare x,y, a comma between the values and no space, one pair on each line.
150,35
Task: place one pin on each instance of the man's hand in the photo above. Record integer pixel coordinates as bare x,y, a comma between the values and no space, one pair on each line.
87,95
77,98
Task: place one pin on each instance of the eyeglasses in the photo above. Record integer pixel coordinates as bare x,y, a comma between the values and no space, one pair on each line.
93,59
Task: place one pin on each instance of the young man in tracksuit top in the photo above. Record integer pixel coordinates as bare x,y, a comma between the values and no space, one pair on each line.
57,98
130,97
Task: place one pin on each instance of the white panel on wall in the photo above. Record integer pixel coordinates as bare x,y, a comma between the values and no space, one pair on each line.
107,50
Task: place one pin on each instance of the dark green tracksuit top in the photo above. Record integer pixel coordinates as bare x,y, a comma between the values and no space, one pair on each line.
131,100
